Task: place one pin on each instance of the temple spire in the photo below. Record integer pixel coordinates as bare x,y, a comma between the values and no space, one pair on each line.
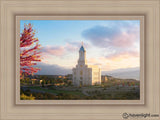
82,55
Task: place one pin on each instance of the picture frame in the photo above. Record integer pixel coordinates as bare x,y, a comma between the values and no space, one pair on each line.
11,108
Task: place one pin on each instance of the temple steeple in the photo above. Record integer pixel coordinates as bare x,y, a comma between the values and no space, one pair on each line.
82,55
84,74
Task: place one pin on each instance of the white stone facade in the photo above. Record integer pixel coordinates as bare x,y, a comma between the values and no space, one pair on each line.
83,74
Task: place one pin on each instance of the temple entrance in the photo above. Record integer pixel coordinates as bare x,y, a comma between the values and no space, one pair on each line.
80,83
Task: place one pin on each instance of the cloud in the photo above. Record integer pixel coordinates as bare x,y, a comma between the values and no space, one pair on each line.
92,60
58,50
47,69
118,40
118,35
111,47
123,55
54,50
69,46
124,39
77,44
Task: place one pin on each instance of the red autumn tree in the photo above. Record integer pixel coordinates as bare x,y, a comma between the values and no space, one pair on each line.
29,51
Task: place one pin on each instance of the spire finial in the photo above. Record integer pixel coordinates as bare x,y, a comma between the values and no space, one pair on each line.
82,43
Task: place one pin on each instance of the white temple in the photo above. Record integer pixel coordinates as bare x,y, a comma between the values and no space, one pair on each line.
83,74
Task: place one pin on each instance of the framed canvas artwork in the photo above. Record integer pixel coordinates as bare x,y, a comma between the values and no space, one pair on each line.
87,58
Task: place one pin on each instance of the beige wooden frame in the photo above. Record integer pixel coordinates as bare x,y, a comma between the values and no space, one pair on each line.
149,11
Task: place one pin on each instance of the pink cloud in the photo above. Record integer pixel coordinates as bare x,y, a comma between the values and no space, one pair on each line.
123,55
124,40
70,47
117,36
54,50
45,57
92,60
59,50
75,45
117,60
122,60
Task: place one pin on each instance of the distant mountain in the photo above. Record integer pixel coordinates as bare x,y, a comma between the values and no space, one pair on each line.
47,69
129,73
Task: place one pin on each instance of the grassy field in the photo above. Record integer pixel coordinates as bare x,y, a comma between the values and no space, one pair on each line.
112,89
53,91
91,92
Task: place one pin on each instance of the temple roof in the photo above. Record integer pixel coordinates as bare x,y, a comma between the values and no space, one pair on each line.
82,49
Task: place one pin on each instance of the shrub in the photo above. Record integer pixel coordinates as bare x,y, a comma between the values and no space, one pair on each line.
25,97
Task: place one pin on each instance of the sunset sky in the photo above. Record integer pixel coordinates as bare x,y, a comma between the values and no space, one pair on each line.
111,44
